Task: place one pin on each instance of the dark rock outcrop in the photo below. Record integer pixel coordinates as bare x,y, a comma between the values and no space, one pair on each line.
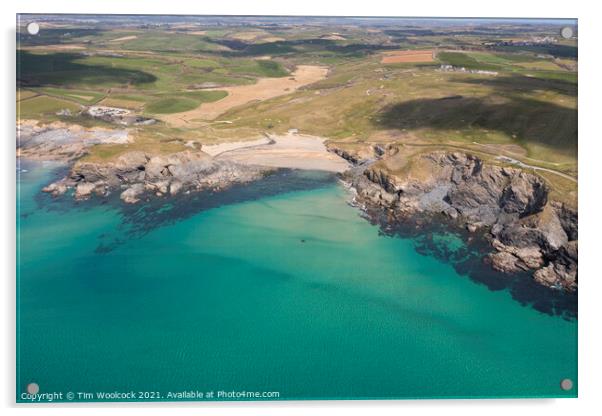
136,173
527,232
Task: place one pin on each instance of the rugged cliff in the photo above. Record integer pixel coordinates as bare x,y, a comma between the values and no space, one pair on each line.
527,231
136,173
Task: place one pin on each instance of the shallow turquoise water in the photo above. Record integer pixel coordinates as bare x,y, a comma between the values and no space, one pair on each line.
291,292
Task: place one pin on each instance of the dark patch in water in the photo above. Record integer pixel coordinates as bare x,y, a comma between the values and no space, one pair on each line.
468,260
157,212
142,218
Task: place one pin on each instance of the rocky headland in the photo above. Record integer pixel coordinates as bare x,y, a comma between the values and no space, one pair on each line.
134,174
137,174
526,230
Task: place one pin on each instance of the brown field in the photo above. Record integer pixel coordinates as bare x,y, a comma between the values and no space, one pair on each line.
395,57
264,89
272,39
250,35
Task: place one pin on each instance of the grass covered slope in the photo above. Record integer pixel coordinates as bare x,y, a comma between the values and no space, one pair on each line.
528,111
427,104
171,105
40,106
183,102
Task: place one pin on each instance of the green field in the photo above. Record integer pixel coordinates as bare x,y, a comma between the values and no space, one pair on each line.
41,107
527,111
183,102
464,60
80,96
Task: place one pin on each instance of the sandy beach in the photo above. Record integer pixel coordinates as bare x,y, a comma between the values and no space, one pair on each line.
216,149
295,151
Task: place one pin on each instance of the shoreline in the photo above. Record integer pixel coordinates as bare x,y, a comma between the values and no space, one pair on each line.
526,232
467,260
136,172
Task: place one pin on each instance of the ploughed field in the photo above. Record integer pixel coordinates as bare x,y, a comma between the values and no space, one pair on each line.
407,56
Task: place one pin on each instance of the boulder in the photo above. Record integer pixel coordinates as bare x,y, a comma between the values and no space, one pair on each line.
558,275
131,194
56,189
504,261
175,187
84,189
530,257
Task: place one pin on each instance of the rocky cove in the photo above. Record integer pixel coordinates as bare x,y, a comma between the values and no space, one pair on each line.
526,230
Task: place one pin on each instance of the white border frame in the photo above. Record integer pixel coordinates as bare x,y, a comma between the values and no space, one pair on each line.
590,147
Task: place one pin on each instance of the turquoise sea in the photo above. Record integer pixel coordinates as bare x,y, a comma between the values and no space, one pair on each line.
278,286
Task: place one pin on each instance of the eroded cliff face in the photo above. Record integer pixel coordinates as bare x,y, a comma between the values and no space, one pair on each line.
137,173
527,231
